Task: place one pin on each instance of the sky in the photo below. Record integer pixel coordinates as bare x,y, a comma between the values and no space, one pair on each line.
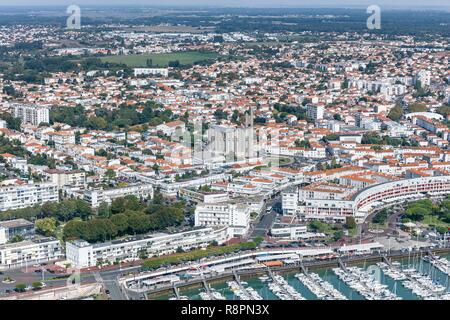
405,4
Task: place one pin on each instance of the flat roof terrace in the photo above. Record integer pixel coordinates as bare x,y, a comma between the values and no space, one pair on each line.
17,223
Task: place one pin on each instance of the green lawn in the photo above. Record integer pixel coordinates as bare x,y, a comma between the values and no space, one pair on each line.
281,160
285,160
161,59
434,220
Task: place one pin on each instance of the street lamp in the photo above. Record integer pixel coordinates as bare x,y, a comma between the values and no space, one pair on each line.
43,273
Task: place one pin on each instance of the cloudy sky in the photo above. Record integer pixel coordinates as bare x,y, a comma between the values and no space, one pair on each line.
245,3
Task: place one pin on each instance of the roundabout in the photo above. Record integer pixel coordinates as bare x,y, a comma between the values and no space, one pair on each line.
8,280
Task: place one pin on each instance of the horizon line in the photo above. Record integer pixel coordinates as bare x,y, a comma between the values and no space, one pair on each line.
312,6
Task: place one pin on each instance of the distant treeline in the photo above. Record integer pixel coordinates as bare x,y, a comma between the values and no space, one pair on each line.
262,19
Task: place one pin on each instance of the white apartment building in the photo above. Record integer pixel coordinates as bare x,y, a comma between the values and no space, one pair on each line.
228,144
170,128
393,90
329,210
172,188
315,152
326,191
315,112
62,137
151,71
21,196
394,192
234,216
289,202
286,230
253,80
206,197
242,188
16,227
83,254
27,253
16,162
61,178
424,77
96,197
31,114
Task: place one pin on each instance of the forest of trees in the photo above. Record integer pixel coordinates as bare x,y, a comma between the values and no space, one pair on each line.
123,117
396,113
12,146
125,216
284,110
35,69
373,138
13,123
62,211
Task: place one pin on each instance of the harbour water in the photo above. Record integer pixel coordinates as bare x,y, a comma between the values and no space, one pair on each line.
395,286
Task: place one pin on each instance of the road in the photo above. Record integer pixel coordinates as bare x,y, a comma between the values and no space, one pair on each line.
391,223
266,221
109,278
111,286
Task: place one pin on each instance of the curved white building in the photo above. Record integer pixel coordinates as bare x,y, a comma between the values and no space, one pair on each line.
365,200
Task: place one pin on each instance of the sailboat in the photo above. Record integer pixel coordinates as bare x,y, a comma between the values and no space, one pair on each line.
447,283
409,259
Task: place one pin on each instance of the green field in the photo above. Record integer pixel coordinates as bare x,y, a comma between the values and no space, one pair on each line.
160,59
281,160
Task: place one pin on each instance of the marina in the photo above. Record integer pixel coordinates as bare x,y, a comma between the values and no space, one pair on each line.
366,285
320,288
211,295
426,278
440,263
407,279
282,289
243,293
